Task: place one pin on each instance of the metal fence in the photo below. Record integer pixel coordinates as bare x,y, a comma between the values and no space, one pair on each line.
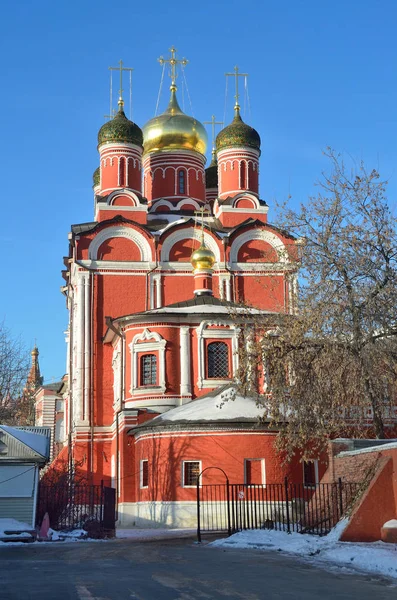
282,506
71,506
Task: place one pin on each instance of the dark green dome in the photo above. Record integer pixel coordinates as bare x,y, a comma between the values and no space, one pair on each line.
120,129
96,177
238,135
211,174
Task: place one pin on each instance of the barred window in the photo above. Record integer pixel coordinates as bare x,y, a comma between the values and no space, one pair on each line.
181,182
191,471
218,360
149,369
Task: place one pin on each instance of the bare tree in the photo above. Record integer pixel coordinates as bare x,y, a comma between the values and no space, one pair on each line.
332,368
14,368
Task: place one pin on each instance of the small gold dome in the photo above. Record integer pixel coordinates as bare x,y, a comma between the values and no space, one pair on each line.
173,130
202,258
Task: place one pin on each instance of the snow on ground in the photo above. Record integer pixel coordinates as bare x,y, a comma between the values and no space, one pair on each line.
153,534
376,557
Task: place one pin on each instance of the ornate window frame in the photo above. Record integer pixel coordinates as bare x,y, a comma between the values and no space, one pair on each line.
204,333
147,342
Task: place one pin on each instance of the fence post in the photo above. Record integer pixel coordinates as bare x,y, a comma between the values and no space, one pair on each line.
340,490
229,528
198,511
286,504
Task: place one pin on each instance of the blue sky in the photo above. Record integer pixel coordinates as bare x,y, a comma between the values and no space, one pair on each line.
322,73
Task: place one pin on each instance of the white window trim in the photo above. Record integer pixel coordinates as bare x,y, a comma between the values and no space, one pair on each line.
316,479
203,333
183,473
263,470
145,342
141,486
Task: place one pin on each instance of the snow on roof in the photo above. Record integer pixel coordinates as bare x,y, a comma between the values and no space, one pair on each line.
224,405
35,441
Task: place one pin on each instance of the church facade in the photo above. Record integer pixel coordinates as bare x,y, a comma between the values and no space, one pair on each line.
154,286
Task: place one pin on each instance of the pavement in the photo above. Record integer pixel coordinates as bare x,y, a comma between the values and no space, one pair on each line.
172,569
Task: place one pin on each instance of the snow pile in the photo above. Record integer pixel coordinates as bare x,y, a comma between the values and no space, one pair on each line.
376,557
11,529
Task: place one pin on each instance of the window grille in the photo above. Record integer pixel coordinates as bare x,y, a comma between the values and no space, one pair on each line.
149,369
181,182
218,360
191,471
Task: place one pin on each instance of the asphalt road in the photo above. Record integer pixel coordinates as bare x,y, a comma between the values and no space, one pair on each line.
172,570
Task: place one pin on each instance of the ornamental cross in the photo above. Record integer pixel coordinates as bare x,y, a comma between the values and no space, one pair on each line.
213,123
236,74
173,61
121,69
200,214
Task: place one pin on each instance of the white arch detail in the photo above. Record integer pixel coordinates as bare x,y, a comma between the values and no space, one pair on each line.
117,232
261,235
192,234
112,197
188,201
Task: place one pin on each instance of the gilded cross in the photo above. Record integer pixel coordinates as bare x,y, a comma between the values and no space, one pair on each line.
200,214
120,68
173,62
213,123
236,75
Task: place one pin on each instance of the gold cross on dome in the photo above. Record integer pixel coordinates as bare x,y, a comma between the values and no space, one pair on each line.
200,214
173,61
236,74
213,123
121,69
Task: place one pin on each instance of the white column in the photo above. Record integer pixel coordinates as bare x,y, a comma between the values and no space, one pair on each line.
152,286
78,399
87,327
186,388
158,291
228,291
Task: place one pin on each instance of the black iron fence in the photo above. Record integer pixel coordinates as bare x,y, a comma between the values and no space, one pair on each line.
71,506
282,506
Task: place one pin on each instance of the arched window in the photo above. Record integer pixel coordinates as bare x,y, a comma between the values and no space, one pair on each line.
122,181
218,360
181,182
148,369
243,175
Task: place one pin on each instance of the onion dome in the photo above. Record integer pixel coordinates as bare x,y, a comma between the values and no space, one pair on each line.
238,135
120,129
174,130
96,177
211,173
203,257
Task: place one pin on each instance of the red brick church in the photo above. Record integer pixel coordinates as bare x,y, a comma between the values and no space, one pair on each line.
154,286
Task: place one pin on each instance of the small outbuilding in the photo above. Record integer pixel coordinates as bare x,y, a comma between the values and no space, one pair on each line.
23,452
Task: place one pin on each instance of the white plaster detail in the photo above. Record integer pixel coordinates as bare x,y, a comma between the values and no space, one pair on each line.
203,332
262,235
117,232
189,233
147,341
186,387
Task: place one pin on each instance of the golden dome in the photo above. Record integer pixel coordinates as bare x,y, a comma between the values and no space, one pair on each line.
174,130
203,257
